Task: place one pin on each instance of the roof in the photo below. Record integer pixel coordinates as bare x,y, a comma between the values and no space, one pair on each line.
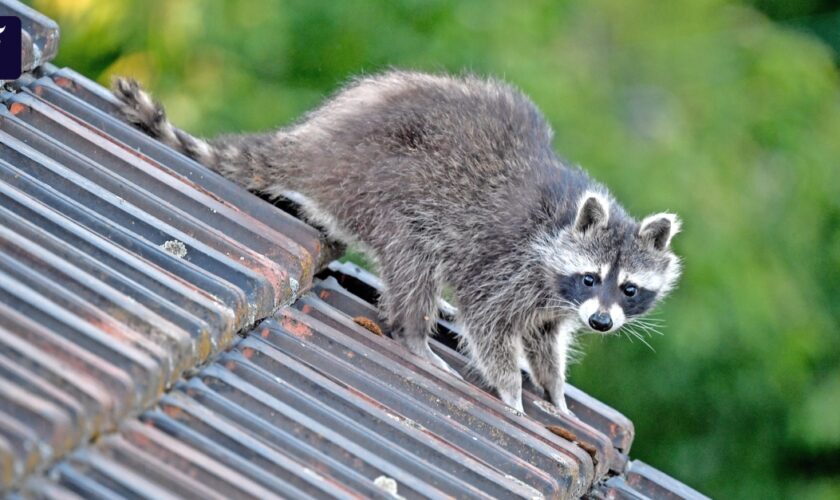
165,333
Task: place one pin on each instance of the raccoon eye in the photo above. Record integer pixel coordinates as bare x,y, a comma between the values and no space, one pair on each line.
629,290
588,280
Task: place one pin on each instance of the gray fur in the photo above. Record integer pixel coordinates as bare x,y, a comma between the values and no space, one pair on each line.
452,179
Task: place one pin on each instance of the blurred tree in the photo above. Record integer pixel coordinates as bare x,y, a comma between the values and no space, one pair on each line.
817,17
704,107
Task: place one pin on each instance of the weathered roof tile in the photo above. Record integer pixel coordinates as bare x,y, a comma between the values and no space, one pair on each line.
118,274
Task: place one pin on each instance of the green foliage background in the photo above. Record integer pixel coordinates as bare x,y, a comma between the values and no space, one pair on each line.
709,108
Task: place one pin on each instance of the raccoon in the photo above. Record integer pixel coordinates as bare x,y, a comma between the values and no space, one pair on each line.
453,180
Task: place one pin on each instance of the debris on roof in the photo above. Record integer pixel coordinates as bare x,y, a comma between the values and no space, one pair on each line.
165,333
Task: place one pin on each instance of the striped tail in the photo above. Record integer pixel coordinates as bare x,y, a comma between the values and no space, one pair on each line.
138,108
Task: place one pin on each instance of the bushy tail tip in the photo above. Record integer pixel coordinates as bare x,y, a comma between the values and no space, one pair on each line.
139,109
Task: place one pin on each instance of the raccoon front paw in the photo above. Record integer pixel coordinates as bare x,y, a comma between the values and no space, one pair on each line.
558,399
565,410
422,349
443,365
512,398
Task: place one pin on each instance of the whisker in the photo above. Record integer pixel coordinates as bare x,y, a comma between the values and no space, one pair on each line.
643,326
640,337
647,325
650,330
648,345
652,319
649,321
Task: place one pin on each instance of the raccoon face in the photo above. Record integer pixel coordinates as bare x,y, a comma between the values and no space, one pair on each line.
608,268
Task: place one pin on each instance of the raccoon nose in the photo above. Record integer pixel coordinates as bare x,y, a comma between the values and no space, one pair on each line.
600,321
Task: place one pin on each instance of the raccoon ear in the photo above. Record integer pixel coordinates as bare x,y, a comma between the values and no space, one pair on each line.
658,229
593,211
